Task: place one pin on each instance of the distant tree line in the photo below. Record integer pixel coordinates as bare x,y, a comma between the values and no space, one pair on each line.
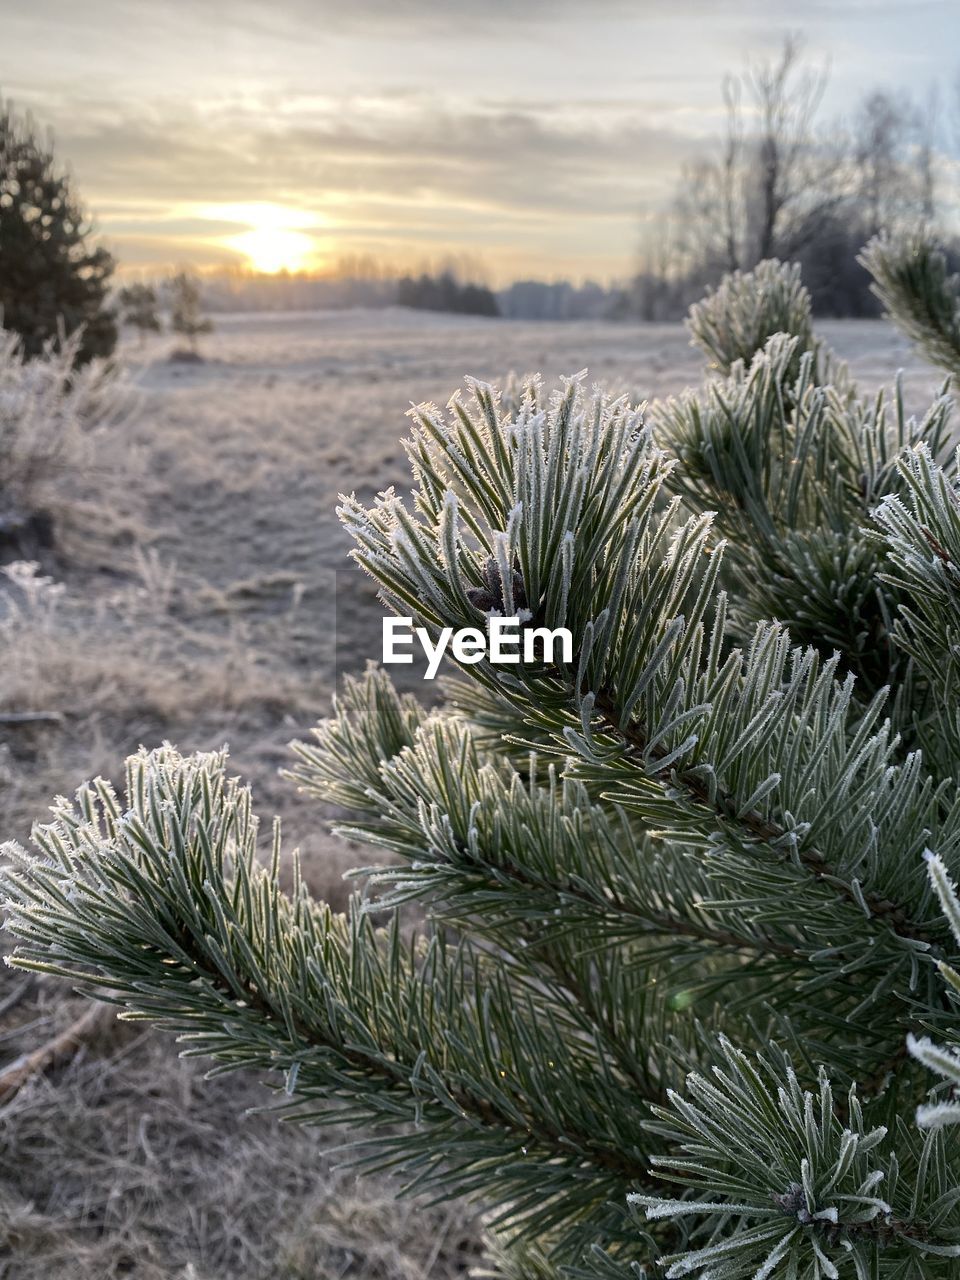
536,300
445,293
236,290
354,282
781,183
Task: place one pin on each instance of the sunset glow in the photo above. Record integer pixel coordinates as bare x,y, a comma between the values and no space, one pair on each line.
277,239
272,249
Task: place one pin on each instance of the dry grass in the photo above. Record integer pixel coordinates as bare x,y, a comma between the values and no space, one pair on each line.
198,596
129,1163
63,432
123,672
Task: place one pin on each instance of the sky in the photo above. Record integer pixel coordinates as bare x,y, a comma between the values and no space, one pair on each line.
522,137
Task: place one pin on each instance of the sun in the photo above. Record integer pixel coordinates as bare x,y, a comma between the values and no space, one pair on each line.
277,236
273,249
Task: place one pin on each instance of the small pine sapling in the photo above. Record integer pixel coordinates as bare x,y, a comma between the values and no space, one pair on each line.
186,315
138,308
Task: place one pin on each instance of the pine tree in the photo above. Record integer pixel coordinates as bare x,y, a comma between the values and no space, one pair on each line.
186,317
52,282
138,307
685,1001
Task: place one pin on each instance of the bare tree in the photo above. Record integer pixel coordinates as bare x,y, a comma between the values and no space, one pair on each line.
653,285
791,175
778,185
928,130
881,126
772,181
729,172
894,153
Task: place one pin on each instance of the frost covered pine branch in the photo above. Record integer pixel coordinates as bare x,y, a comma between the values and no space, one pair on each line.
910,278
681,987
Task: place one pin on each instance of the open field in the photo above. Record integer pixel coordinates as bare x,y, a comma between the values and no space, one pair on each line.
202,595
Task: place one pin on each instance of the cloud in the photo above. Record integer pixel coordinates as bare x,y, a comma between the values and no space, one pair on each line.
410,168
498,155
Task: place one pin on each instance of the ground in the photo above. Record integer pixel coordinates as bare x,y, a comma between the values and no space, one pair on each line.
201,593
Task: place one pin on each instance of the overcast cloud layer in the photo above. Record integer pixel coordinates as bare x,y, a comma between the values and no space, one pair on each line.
538,136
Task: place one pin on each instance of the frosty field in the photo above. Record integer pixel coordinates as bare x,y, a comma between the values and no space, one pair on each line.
203,595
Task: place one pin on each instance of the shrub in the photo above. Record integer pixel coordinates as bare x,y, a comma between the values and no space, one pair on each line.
51,415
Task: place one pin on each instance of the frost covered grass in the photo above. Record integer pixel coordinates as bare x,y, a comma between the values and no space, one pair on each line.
224,611
78,679
123,1166
62,432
